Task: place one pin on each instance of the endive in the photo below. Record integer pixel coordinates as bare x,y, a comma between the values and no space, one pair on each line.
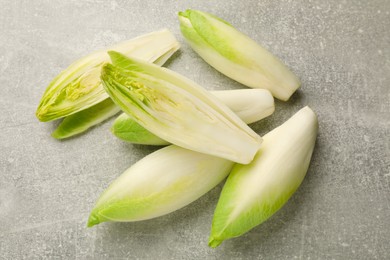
86,118
250,105
254,192
178,110
79,86
158,184
235,54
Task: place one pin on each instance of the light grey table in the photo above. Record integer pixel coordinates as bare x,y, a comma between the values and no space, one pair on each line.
339,49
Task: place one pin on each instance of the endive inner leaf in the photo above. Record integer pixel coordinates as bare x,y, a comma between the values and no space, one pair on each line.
254,192
79,86
179,111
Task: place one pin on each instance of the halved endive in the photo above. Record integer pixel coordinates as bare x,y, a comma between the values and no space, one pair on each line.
160,183
178,110
236,55
254,192
250,105
79,86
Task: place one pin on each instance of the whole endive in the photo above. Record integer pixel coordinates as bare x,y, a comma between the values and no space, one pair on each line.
160,183
178,110
254,192
250,105
79,86
235,54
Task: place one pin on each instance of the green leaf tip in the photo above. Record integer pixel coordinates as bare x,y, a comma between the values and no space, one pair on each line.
193,14
213,242
93,220
58,134
122,61
183,14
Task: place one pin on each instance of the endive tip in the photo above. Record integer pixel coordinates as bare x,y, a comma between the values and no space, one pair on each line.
41,115
112,130
105,71
186,12
115,132
92,220
111,53
213,242
56,134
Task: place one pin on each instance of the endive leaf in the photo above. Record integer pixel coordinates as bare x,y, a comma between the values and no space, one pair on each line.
235,54
79,86
83,120
250,105
178,110
254,192
160,183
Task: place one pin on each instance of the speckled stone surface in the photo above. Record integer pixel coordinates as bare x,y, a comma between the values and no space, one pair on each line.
339,49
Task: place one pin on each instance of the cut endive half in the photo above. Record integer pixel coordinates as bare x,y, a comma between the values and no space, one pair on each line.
236,55
250,105
160,183
178,110
254,192
79,86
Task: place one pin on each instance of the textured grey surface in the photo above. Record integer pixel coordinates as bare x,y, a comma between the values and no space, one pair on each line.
340,50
